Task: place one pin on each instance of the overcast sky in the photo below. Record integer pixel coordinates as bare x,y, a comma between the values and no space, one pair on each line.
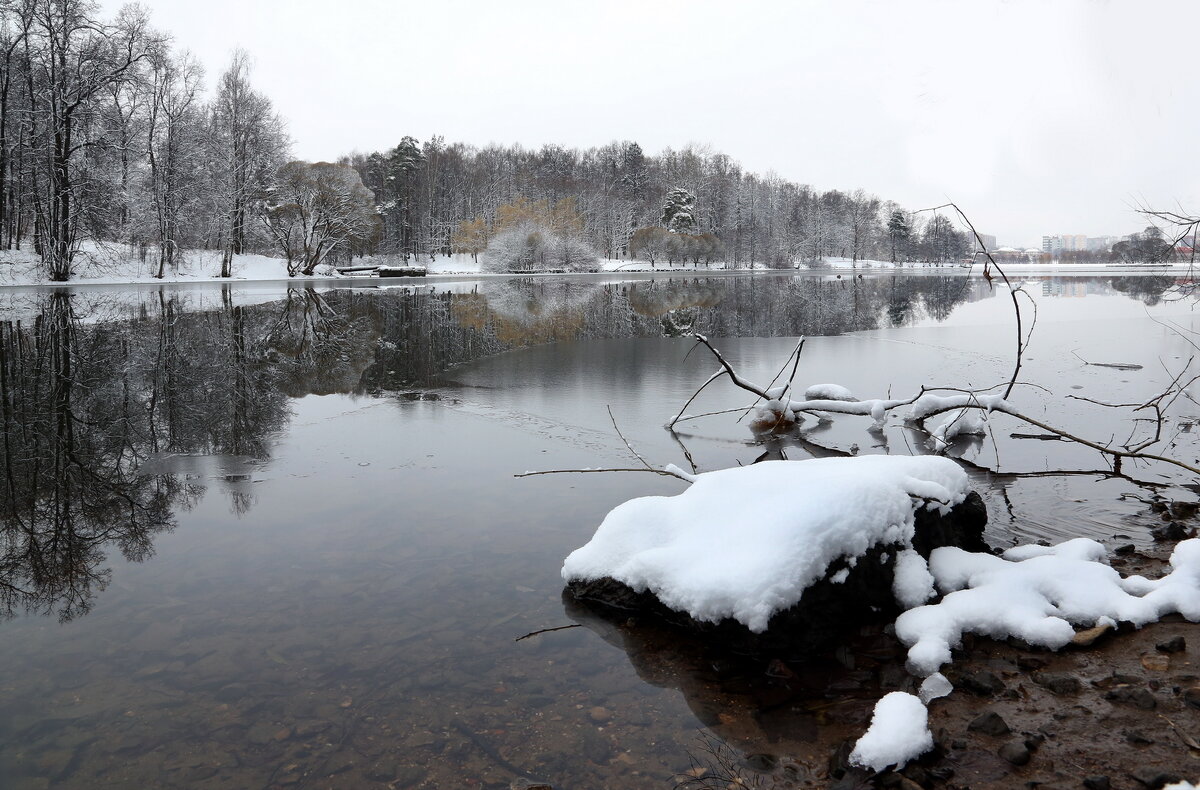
1036,117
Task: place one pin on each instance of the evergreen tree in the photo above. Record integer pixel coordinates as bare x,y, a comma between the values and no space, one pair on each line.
679,211
899,231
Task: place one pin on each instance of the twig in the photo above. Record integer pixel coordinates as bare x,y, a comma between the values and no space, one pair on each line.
695,394
1012,292
662,472
626,441
548,630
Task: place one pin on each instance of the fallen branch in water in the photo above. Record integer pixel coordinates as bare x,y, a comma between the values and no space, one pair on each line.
670,470
547,631
927,403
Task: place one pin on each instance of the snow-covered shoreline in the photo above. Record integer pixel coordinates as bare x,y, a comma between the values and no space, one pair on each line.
112,265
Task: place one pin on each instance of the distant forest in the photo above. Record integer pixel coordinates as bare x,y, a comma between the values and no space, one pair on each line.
427,192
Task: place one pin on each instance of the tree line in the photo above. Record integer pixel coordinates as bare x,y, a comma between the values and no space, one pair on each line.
438,198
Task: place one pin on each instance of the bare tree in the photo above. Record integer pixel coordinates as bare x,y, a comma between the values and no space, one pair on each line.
174,136
248,142
315,210
73,59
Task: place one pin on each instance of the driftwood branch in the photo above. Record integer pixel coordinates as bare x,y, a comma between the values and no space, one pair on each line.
1158,405
669,471
991,262
547,631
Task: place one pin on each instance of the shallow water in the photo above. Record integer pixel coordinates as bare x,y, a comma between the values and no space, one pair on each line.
266,537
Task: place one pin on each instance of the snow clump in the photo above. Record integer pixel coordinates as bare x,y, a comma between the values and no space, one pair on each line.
828,392
913,583
744,543
899,732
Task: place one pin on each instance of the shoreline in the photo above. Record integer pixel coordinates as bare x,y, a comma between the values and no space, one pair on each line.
837,268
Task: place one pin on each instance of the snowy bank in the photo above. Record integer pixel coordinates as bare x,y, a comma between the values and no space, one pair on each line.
745,544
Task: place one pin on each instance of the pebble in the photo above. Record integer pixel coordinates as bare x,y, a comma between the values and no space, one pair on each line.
1156,662
1175,644
1154,778
1192,696
990,723
1127,695
1015,752
982,682
1058,683
1088,637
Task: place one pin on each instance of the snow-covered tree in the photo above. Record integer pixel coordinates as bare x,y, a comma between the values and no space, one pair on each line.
900,229
679,211
174,142
530,247
247,142
316,210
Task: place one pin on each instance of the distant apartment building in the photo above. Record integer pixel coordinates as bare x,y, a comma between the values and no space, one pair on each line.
1100,243
1065,242
989,242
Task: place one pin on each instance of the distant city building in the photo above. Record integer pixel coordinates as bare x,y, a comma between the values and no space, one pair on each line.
1101,243
989,242
1068,242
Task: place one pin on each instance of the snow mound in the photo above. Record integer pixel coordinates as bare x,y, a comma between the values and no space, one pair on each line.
828,392
745,543
899,732
1037,593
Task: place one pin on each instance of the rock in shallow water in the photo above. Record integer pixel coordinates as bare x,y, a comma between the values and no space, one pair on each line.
827,610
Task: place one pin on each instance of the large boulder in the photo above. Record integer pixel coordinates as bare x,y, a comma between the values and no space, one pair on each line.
850,593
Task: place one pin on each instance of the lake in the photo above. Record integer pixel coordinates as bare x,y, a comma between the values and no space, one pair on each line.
261,536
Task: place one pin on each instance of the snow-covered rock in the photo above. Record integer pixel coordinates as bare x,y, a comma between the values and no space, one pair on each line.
899,732
747,544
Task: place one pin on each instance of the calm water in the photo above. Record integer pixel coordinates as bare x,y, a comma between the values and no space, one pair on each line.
260,537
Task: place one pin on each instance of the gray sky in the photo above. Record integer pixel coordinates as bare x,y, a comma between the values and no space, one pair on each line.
1036,117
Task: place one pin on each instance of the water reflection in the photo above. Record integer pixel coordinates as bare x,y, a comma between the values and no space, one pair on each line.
771,717
93,405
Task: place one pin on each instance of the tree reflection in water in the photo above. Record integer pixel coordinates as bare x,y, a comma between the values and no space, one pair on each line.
90,401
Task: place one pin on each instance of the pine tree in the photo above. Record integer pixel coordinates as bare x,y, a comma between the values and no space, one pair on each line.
899,231
679,211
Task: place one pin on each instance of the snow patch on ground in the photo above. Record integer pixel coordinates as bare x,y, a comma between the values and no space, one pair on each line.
899,732
746,542
1038,594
